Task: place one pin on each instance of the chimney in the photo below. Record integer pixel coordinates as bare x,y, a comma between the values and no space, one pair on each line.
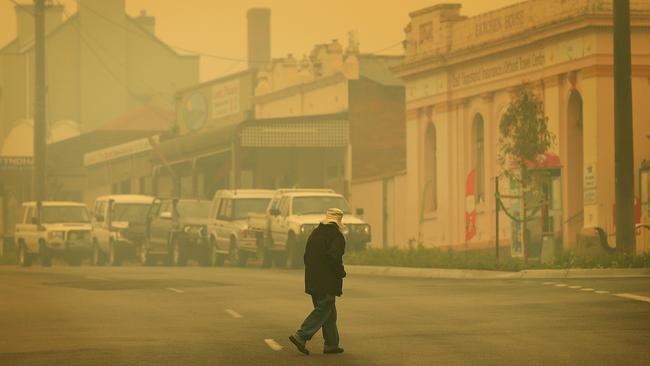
25,21
146,21
259,37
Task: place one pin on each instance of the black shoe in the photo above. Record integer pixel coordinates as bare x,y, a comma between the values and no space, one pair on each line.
301,346
333,350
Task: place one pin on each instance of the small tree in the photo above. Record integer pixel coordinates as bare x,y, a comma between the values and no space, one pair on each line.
523,138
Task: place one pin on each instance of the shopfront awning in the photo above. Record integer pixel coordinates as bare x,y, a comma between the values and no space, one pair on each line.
332,130
213,141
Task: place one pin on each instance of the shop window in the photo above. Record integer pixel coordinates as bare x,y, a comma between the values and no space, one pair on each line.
479,156
431,169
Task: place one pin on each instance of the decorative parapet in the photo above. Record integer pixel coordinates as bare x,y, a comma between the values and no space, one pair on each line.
439,30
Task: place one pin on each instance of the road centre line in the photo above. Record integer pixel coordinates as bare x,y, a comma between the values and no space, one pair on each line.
273,344
175,290
575,287
561,285
633,297
234,314
601,292
548,283
587,289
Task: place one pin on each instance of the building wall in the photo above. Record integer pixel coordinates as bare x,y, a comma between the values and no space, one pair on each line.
99,65
557,62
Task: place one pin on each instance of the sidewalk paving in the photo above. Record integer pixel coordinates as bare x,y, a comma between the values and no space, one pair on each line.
493,275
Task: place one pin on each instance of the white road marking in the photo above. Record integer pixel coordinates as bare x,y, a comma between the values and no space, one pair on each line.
575,287
561,285
234,314
96,278
548,283
587,289
273,344
634,297
175,290
602,292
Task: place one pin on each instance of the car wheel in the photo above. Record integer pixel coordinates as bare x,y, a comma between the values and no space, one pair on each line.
114,256
179,258
145,256
216,258
24,258
98,257
234,254
294,259
46,256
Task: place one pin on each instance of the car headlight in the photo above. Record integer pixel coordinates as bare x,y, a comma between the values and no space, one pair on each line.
187,229
365,229
56,235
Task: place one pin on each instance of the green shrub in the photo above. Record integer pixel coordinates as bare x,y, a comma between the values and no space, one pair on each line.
420,257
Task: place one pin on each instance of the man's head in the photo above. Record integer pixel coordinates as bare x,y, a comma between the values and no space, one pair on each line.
334,215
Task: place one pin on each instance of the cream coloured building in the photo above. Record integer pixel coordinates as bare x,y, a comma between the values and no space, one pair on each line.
459,72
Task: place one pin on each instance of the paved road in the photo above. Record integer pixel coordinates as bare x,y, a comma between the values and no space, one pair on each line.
223,316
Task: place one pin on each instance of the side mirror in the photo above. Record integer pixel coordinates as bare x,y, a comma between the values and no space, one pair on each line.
166,215
99,217
274,212
359,211
34,221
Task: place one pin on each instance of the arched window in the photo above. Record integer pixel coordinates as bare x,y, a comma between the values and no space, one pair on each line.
479,156
430,169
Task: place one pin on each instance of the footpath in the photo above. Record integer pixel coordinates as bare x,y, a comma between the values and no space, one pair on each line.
494,275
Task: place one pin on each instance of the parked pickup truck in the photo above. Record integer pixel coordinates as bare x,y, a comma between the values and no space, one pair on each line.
53,229
178,231
228,224
290,217
119,227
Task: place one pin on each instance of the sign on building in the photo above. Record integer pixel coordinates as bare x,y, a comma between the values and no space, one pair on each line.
16,163
119,151
225,99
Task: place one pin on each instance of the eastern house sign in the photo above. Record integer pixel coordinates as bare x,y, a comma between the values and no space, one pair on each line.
16,163
194,111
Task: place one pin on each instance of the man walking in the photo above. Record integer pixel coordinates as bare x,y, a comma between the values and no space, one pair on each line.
324,274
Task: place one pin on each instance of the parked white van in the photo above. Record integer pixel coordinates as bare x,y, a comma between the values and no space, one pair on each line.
228,224
119,227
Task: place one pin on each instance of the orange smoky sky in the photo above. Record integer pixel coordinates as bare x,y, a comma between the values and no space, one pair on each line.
218,27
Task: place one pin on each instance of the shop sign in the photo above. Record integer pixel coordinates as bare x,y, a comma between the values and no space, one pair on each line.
16,163
225,99
491,70
119,151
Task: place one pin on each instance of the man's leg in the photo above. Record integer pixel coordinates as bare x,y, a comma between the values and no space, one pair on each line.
323,306
330,330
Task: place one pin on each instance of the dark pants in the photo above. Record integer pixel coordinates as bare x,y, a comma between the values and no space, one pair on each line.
323,316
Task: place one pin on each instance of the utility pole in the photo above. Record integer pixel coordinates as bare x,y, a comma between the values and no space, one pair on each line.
40,127
623,130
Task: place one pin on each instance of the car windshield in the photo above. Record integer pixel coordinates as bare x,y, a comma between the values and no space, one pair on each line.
311,205
52,214
193,209
244,206
130,212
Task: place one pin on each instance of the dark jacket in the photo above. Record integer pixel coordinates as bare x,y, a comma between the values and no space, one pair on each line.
324,269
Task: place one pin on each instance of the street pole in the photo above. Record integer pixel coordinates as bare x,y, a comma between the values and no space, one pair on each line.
498,203
623,130
40,127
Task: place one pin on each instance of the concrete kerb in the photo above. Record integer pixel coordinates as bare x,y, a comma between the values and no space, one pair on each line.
494,275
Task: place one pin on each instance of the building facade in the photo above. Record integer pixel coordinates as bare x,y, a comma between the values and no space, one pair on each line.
459,74
345,97
100,64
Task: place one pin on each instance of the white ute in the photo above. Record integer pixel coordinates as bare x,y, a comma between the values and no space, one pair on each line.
53,229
